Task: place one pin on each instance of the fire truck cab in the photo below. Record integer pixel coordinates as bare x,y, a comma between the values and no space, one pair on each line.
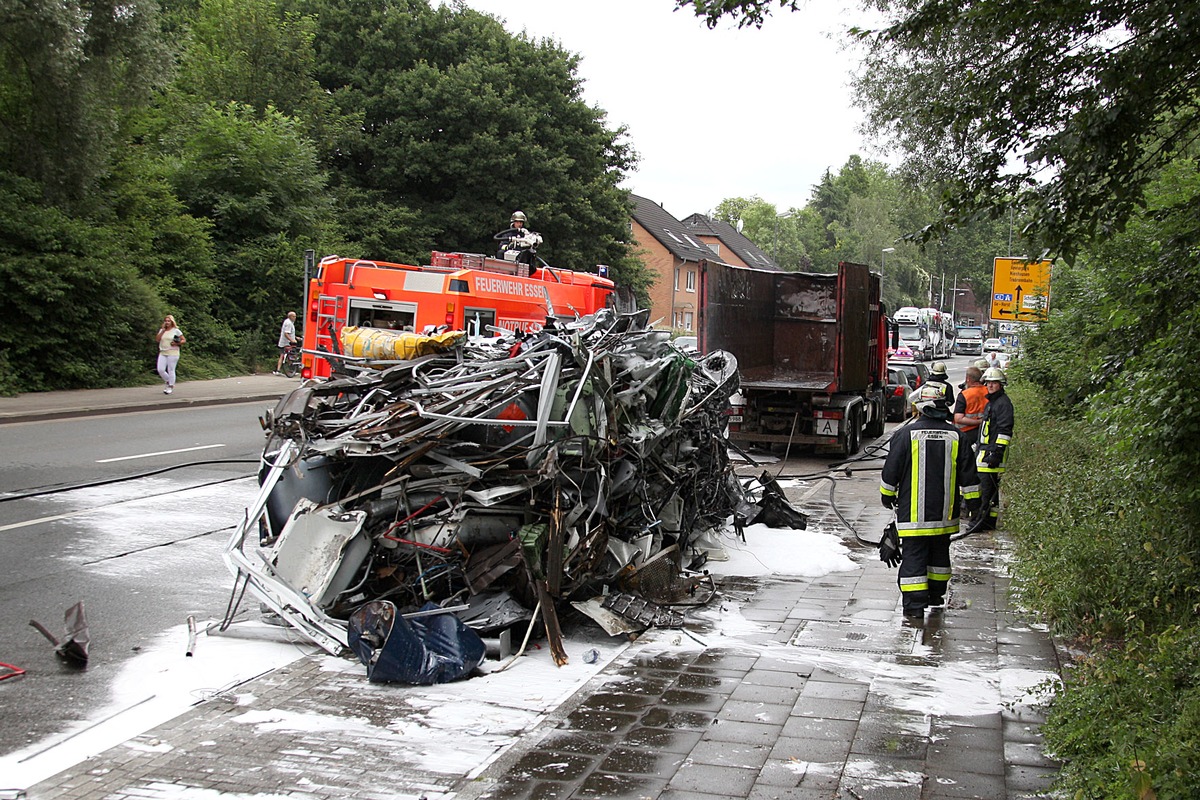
460,291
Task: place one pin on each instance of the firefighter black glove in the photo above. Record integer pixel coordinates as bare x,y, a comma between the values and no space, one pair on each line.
889,546
993,458
973,506
887,500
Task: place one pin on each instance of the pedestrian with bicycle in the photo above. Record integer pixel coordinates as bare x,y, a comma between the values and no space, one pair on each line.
287,339
169,338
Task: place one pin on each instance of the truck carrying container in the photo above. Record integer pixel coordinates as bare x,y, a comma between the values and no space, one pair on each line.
811,352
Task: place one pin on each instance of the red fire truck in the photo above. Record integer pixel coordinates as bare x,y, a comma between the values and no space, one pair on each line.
463,291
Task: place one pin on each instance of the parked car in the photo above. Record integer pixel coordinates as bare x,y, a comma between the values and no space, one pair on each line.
993,345
687,344
899,406
918,372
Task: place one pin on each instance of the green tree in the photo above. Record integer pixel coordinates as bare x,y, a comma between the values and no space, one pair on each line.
774,232
258,53
71,73
462,123
255,177
77,314
1064,110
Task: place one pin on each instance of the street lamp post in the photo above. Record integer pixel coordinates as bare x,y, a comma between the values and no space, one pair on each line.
784,215
882,267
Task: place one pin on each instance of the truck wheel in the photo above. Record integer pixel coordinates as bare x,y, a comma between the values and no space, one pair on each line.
854,423
875,426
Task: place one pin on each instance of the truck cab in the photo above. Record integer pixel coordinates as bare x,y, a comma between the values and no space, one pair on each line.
969,341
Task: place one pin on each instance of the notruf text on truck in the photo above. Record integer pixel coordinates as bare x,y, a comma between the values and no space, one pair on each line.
457,291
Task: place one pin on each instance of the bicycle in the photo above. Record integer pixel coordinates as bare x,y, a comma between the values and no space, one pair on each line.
291,361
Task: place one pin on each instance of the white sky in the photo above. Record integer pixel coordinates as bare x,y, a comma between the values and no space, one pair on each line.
716,113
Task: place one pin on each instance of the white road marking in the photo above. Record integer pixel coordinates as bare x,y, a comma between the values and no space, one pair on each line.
159,453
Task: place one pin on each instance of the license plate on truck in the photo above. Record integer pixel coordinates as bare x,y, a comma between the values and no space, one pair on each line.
826,427
735,417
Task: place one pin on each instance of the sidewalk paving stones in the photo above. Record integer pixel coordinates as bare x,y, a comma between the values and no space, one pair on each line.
785,687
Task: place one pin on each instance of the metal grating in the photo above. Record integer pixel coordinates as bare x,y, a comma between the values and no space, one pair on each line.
851,638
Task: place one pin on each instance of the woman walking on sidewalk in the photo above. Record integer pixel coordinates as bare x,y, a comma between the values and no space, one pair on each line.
169,338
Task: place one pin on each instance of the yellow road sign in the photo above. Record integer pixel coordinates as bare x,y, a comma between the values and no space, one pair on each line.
1020,290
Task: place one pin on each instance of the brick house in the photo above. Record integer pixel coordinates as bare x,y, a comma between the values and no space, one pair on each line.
673,250
728,244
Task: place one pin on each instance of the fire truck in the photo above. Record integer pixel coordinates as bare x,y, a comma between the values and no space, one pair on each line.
460,291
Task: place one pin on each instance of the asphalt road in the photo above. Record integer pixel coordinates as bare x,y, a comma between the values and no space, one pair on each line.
142,551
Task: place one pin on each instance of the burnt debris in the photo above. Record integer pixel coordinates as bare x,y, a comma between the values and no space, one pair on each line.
506,477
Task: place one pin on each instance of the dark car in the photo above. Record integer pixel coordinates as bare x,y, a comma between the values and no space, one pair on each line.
918,373
899,407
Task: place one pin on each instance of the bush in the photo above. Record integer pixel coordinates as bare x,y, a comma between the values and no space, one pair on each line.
1127,724
1105,551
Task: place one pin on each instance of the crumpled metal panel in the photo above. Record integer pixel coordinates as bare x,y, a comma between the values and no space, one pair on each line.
570,441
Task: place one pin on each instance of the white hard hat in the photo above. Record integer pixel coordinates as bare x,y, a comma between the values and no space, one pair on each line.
994,374
931,400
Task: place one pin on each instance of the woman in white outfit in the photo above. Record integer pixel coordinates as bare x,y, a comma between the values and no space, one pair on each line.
169,338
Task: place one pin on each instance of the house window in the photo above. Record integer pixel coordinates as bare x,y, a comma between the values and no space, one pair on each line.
716,248
687,320
677,279
691,282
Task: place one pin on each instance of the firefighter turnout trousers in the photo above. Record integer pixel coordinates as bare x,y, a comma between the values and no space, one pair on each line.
995,441
926,477
924,571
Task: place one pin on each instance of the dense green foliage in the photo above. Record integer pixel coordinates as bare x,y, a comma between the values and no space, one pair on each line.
184,162
1081,120
1109,554
1104,503
861,210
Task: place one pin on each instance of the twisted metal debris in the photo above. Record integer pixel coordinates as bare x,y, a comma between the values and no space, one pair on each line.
502,475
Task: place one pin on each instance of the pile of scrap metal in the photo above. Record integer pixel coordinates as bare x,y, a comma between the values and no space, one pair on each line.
498,478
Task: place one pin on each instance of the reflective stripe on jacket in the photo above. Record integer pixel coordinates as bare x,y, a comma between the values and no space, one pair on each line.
926,469
995,434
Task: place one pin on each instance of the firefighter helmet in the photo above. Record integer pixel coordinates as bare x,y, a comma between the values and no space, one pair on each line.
931,400
518,216
982,363
938,368
994,374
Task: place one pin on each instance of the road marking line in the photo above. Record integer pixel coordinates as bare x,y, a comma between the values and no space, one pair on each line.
27,523
160,453
80,512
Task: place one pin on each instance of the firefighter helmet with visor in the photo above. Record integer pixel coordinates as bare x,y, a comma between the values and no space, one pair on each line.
931,400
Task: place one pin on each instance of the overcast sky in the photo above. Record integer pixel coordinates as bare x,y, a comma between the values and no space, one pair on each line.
713,113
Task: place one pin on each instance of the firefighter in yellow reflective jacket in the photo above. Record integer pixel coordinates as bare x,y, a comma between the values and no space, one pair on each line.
927,475
995,436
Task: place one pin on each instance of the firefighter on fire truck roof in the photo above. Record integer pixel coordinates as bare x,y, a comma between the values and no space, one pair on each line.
518,243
